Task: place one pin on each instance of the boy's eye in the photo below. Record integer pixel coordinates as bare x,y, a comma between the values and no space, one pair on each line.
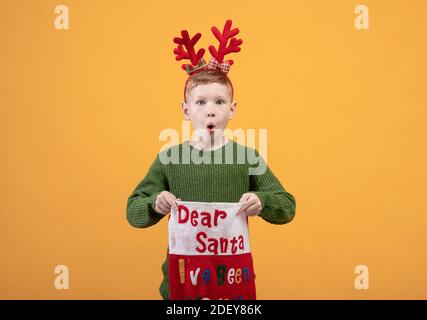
200,102
220,101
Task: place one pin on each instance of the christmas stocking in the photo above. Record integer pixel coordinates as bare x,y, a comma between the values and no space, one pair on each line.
209,252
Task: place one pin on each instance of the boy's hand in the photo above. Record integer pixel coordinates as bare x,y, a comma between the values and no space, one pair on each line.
251,204
165,201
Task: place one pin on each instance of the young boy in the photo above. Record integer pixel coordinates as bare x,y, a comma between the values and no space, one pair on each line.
225,174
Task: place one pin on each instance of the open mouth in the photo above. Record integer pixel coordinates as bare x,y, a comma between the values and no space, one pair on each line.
211,127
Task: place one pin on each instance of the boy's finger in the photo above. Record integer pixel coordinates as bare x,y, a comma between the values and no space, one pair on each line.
244,197
247,204
252,209
243,208
163,201
172,201
162,208
168,198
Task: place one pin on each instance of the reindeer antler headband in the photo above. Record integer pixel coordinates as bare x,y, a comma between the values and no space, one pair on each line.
227,44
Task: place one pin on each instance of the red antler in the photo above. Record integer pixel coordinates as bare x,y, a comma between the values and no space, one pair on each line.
189,44
223,38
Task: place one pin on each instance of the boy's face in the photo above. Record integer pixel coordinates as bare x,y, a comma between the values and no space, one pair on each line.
209,107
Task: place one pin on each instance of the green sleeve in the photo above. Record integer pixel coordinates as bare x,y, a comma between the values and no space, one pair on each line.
140,210
278,206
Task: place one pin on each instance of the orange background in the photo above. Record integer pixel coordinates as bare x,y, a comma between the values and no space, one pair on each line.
81,113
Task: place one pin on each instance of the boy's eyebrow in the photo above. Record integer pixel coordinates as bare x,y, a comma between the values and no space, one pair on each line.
202,97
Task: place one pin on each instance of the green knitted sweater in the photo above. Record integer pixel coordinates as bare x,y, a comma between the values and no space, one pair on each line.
223,176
